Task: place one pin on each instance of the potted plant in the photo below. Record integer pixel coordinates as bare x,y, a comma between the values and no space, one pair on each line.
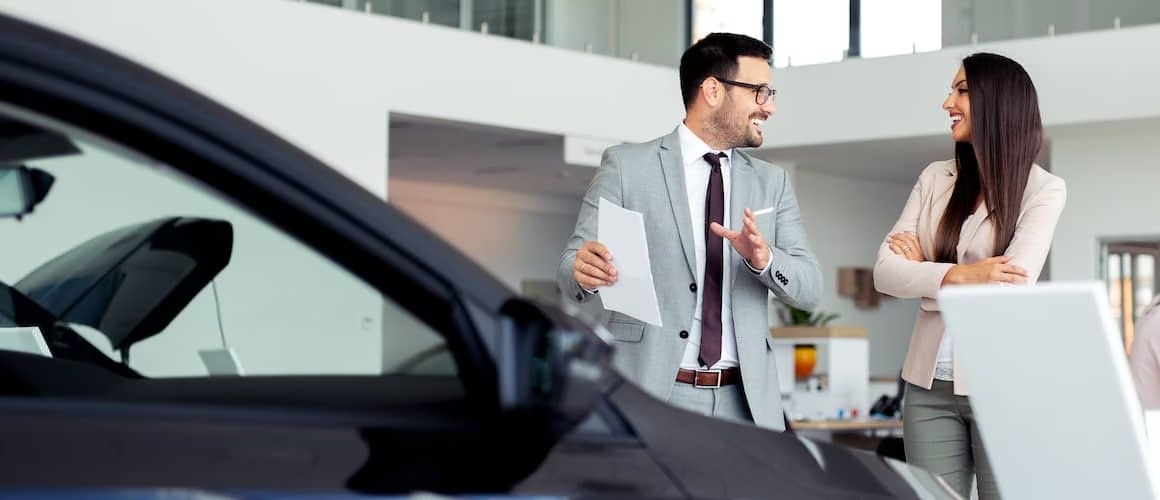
792,316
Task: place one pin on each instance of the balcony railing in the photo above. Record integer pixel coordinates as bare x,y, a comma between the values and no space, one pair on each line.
800,31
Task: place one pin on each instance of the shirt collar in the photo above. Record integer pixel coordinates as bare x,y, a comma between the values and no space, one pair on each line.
693,148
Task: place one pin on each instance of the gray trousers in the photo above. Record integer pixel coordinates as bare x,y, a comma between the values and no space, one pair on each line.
726,402
940,435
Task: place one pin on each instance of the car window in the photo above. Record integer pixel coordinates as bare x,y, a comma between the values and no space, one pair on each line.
129,252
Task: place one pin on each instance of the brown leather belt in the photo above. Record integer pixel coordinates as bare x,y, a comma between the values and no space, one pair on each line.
709,379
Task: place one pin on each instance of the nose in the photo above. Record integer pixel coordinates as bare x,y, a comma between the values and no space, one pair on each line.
769,106
949,102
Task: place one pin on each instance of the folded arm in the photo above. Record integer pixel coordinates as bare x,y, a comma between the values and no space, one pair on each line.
899,276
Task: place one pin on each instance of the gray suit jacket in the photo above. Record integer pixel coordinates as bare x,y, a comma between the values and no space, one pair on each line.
650,178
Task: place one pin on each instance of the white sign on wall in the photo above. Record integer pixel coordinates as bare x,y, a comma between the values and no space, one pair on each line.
585,151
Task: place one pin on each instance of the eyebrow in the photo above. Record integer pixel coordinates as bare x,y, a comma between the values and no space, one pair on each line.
956,84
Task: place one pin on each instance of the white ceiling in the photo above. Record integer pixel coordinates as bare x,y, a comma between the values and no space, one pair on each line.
429,150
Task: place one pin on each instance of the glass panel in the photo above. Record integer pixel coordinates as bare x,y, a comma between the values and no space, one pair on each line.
1143,280
332,3
1112,270
441,12
510,18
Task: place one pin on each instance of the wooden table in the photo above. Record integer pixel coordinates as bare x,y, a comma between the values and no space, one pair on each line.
864,433
847,425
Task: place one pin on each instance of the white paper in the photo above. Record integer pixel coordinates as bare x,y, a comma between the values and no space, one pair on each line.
621,231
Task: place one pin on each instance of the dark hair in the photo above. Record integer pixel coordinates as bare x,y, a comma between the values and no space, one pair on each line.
716,55
1006,137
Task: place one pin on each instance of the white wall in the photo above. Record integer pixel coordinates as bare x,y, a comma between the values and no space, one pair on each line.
1113,178
284,308
846,219
1082,78
514,236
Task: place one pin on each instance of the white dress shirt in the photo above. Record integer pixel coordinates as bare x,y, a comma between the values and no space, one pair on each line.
697,171
944,366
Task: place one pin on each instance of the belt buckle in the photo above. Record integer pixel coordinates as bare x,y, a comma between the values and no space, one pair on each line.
696,375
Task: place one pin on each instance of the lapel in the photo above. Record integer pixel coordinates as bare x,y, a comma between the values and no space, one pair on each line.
943,188
743,177
976,222
673,169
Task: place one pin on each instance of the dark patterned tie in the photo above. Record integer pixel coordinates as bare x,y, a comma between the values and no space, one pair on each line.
711,285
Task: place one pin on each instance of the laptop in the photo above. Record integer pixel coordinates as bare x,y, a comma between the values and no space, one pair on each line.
221,362
1051,390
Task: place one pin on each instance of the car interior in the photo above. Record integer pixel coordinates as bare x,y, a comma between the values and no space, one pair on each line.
129,283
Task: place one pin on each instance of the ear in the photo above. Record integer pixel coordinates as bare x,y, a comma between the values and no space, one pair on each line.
713,92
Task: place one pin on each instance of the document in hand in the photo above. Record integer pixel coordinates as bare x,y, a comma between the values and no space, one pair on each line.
621,231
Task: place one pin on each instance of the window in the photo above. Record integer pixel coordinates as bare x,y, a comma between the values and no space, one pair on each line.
746,17
135,230
810,31
892,27
1130,274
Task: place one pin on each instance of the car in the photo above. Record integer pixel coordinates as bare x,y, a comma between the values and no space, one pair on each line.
196,290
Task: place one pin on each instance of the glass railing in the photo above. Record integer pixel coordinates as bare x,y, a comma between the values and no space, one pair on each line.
978,21
801,31
522,19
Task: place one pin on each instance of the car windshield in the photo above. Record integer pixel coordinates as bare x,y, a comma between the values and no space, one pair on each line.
158,272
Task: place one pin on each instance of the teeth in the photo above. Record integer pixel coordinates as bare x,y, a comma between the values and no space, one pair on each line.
758,122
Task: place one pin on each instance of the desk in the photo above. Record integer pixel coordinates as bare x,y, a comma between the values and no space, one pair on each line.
850,425
857,433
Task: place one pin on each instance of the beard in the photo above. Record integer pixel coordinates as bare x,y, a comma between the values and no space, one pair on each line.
733,129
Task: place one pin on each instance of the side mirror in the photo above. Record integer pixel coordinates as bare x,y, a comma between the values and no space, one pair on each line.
22,189
551,362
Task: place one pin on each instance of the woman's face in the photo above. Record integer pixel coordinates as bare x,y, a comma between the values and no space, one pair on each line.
958,104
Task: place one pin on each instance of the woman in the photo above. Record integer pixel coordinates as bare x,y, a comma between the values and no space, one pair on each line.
986,216
1144,356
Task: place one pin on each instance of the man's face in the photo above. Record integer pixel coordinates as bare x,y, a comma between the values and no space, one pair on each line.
740,117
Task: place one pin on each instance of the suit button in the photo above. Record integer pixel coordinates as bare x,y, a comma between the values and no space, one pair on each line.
683,334
693,287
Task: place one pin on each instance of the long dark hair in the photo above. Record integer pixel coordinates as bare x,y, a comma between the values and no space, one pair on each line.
1006,137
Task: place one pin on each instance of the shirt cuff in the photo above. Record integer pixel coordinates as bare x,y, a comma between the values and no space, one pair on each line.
768,263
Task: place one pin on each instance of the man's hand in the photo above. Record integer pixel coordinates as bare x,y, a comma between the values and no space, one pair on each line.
906,245
593,266
748,241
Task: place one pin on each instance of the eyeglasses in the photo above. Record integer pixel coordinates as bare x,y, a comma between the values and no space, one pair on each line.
762,92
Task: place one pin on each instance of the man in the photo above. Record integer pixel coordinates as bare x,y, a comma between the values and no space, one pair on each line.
716,251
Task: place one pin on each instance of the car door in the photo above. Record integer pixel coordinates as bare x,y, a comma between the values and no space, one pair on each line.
364,353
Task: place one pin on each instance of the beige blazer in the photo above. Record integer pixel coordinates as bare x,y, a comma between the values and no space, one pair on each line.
1144,358
894,275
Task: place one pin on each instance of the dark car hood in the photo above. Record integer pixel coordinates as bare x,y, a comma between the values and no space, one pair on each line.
129,283
681,454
